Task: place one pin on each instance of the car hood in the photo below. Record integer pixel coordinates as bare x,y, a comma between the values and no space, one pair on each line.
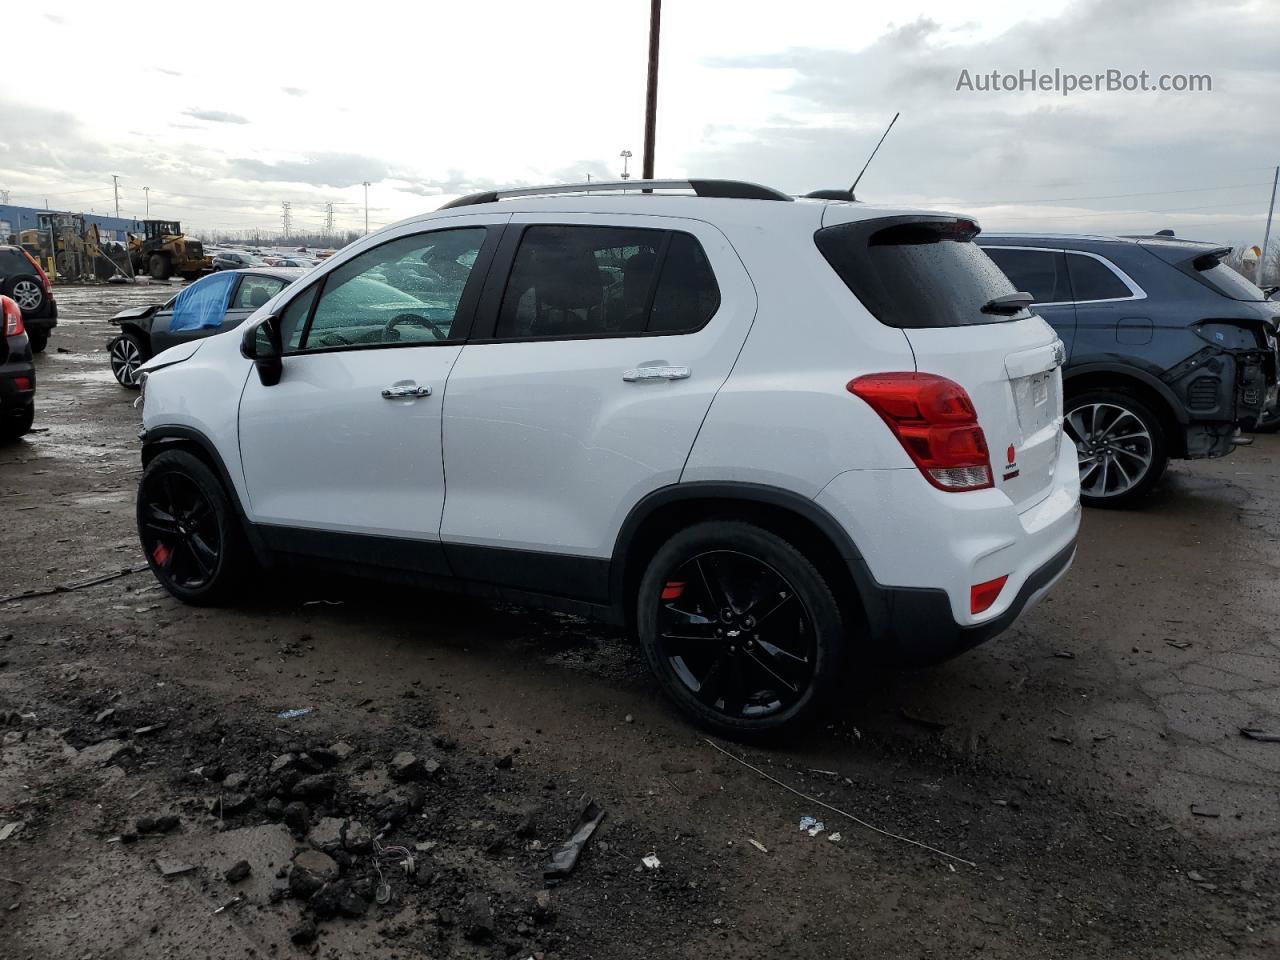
135,313
175,354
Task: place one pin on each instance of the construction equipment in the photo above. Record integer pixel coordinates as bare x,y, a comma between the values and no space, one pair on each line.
163,250
73,249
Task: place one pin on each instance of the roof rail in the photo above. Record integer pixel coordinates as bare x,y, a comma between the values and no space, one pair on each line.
734,189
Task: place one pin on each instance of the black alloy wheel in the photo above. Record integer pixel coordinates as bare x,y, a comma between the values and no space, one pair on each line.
187,530
740,629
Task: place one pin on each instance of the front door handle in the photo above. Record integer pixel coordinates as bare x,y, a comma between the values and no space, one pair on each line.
651,374
403,391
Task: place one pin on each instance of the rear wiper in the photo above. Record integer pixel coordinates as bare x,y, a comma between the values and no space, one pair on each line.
1008,304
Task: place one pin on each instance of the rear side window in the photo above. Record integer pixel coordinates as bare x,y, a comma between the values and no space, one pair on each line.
571,281
1093,280
255,291
11,262
916,272
1041,273
687,294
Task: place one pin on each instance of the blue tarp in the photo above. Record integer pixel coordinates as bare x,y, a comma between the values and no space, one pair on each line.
202,305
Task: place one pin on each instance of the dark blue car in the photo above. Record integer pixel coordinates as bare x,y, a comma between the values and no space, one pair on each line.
1169,350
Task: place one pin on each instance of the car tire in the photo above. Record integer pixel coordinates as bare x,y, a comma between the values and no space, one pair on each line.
159,267
127,353
740,629
1115,473
11,428
189,532
27,292
39,339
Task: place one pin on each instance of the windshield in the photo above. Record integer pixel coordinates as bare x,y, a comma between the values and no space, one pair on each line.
1229,283
916,272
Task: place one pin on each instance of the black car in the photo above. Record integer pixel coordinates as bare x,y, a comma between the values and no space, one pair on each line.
17,374
1169,350
215,302
236,260
23,279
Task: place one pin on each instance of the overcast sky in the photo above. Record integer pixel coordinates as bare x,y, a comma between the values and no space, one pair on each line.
226,111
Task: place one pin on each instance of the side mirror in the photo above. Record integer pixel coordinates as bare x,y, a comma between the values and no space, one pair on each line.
261,344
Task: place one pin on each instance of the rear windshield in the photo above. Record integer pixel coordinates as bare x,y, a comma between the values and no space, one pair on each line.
916,272
1228,282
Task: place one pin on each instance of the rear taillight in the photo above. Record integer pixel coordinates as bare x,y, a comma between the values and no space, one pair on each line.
44,277
12,317
934,420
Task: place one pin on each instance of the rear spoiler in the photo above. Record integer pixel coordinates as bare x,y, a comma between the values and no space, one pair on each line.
1185,253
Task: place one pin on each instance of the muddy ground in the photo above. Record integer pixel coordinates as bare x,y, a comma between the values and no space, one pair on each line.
1089,764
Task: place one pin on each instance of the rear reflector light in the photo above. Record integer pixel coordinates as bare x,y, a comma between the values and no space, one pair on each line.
12,317
22,383
673,590
934,420
983,595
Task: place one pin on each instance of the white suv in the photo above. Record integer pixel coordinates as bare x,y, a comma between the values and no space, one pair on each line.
753,430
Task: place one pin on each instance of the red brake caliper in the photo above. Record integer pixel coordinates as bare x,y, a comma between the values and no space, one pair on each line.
160,554
673,590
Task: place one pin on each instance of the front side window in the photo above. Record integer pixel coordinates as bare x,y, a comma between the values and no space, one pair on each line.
1093,280
1041,273
403,292
255,291
580,281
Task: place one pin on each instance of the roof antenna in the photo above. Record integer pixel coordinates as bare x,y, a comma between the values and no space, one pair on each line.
873,153
848,194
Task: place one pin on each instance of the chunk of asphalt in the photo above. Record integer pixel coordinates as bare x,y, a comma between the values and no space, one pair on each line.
311,870
237,871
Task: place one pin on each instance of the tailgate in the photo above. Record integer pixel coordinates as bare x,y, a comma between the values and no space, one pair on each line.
1012,374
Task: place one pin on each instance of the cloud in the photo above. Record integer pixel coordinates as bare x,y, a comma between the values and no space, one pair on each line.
968,149
167,72
215,116
317,169
294,91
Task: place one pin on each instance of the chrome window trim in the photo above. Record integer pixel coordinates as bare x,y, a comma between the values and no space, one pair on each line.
1135,291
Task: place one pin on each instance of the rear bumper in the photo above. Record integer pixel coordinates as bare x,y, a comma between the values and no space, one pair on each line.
922,631
922,550
14,401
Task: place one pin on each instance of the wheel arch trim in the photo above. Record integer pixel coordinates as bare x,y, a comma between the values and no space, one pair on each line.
870,593
175,436
1175,408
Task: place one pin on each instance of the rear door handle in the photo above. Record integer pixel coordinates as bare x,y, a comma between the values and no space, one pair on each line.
402,391
650,374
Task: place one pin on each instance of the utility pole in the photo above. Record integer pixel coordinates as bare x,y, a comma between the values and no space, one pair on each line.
147,191
328,219
365,184
651,90
1266,237
4,196
115,186
286,219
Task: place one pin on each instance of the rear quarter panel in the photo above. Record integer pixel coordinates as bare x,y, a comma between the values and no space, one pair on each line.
785,417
